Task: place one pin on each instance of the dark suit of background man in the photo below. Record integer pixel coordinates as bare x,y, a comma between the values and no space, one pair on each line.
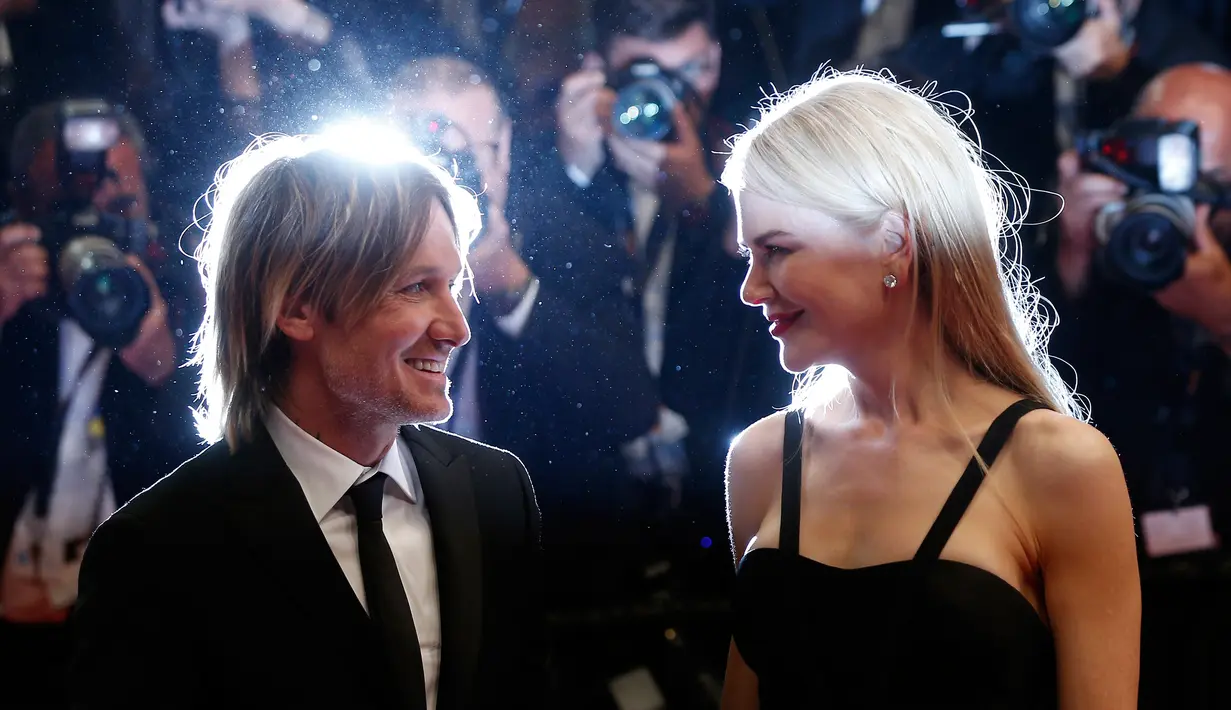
325,554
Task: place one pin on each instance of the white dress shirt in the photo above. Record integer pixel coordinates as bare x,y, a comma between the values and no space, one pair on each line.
326,476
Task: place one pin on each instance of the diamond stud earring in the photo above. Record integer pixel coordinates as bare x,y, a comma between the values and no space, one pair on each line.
891,281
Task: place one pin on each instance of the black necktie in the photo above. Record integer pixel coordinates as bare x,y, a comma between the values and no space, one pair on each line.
387,602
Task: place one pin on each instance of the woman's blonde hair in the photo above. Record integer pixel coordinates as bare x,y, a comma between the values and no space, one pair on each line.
857,146
304,218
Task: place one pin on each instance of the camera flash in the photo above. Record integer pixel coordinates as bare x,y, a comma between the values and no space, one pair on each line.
1177,163
90,134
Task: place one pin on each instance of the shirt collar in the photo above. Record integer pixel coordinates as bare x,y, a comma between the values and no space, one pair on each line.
326,475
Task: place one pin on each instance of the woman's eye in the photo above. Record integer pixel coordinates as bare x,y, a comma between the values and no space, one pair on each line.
769,250
418,287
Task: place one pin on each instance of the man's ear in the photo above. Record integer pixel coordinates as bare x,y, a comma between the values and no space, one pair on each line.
297,320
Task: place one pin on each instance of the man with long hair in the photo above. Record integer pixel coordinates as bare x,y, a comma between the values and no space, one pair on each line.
329,550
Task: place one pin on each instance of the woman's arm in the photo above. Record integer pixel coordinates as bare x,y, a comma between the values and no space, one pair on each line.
739,687
1083,522
755,455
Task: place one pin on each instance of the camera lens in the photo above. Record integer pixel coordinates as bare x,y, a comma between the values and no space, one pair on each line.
1149,244
106,296
643,109
1048,23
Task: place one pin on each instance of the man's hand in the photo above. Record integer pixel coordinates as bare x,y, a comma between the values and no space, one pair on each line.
579,135
497,266
1098,51
1085,194
151,355
211,17
24,270
1203,293
677,169
291,18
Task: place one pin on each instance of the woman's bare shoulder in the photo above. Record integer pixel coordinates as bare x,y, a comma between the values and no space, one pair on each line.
1048,448
754,466
759,446
1064,466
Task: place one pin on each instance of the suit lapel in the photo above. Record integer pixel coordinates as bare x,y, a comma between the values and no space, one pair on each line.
284,534
448,492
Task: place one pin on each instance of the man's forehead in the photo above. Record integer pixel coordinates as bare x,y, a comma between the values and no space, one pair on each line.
688,46
437,253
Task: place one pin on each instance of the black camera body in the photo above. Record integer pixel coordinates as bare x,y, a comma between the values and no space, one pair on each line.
646,97
86,248
1040,24
428,134
1145,240
86,253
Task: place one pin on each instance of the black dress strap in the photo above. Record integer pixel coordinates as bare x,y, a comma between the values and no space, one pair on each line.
964,492
792,481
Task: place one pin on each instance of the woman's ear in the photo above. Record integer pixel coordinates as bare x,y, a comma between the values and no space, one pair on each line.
898,248
896,232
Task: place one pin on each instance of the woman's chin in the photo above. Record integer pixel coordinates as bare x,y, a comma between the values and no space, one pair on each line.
801,354
797,362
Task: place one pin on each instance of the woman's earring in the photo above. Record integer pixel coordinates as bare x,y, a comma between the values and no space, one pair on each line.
891,281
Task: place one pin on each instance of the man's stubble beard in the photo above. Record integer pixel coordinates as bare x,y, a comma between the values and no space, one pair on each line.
369,403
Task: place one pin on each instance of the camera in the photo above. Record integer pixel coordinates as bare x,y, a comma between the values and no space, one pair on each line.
1145,240
646,96
1043,24
428,132
86,248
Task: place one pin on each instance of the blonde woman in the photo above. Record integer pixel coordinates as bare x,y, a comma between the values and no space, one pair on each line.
882,563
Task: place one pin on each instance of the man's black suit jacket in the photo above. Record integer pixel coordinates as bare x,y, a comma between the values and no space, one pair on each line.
217,588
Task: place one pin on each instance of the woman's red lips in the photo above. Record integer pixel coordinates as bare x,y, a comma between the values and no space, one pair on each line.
780,323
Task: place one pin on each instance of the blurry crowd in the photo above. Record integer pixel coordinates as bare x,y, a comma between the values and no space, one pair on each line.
611,352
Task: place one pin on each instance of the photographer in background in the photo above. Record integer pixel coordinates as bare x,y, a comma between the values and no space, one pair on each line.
538,372
55,48
1143,291
92,407
631,183
637,148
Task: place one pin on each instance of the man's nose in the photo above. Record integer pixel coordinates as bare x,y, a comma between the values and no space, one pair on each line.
450,325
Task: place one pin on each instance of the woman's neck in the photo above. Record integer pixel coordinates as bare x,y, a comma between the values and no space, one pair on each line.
912,385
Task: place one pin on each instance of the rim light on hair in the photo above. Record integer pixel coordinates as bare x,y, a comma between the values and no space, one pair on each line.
857,146
327,218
